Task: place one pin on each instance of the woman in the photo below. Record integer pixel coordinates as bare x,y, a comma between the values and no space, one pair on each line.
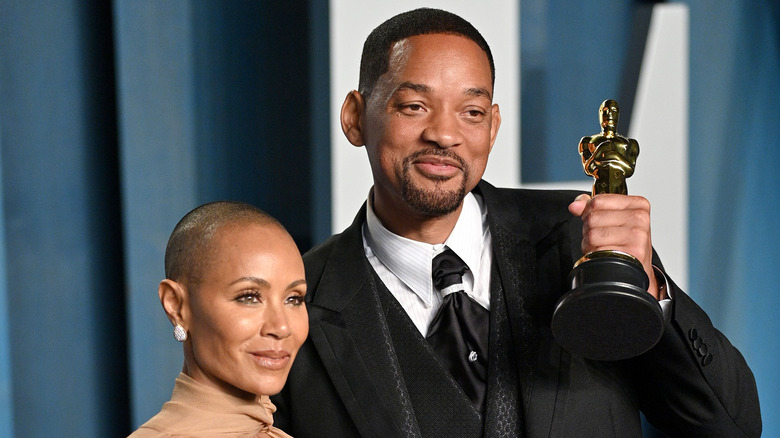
234,291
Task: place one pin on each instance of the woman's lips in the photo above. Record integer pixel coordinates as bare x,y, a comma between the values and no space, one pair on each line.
272,359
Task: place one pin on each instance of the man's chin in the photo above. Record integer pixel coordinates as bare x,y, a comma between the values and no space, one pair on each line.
436,184
434,203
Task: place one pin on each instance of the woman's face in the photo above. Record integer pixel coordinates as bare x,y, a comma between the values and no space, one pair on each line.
247,318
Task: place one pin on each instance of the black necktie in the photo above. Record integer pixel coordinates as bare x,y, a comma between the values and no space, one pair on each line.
459,331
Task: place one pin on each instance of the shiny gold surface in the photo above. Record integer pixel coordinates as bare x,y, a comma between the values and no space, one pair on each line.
607,156
607,253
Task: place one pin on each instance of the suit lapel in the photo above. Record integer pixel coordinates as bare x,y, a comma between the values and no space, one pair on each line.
503,414
353,341
515,256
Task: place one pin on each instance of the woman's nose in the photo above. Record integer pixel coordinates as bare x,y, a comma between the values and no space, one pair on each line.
275,322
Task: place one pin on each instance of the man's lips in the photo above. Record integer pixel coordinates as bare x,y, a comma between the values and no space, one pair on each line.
271,359
439,166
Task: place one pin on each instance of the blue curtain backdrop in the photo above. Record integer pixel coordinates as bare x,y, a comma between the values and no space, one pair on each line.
116,118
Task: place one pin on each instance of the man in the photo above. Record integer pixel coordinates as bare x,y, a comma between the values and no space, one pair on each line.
425,114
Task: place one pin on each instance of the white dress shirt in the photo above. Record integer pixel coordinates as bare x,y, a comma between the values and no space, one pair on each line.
405,265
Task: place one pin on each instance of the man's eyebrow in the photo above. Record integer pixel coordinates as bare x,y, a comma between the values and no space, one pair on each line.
420,88
476,92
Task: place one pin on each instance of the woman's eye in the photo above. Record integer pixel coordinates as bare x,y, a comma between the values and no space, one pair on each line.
249,298
295,300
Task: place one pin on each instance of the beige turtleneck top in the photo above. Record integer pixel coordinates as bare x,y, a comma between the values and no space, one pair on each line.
196,410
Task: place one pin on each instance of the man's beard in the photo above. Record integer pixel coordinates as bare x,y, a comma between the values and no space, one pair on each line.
436,202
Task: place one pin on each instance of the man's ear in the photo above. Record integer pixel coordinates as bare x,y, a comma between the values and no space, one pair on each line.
495,124
174,298
352,118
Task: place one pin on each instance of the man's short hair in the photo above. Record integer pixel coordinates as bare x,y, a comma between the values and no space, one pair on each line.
424,21
189,247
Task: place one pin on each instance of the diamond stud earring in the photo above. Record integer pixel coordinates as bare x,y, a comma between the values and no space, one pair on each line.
179,333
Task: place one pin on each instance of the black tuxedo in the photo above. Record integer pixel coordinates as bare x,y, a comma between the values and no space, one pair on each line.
366,371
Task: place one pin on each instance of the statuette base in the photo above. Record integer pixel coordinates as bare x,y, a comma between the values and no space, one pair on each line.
608,314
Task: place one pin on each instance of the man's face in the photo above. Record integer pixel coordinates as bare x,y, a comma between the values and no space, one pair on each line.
247,318
429,125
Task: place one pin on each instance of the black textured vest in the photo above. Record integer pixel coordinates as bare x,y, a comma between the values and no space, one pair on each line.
439,407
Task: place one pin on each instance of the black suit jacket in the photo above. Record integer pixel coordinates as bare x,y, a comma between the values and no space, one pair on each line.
352,377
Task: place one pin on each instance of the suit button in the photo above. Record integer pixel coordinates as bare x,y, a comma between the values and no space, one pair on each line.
706,360
693,334
703,350
697,343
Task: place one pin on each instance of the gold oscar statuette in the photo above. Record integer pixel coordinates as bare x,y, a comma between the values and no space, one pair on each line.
608,313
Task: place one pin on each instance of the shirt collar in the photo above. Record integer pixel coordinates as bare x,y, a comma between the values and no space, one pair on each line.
410,260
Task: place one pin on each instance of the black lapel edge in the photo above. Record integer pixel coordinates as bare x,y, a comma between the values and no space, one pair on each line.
348,372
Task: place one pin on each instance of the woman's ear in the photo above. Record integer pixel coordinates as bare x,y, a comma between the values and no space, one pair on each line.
351,117
175,301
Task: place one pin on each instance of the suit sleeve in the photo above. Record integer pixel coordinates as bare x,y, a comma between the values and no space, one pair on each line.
694,382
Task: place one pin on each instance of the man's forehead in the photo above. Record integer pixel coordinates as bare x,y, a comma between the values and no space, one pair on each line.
432,41
425,89
400,74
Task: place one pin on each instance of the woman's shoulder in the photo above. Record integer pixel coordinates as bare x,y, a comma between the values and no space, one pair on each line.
145,432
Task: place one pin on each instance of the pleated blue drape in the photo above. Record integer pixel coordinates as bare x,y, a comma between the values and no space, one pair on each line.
118,118
61,231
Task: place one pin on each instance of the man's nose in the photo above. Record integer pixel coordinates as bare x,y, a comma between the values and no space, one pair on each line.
443,129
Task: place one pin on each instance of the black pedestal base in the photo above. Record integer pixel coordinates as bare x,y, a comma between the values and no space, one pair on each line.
608,314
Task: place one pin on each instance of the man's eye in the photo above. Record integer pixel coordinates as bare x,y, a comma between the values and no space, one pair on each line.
474,115
410,108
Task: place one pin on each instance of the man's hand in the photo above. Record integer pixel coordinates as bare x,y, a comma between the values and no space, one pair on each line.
618,223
